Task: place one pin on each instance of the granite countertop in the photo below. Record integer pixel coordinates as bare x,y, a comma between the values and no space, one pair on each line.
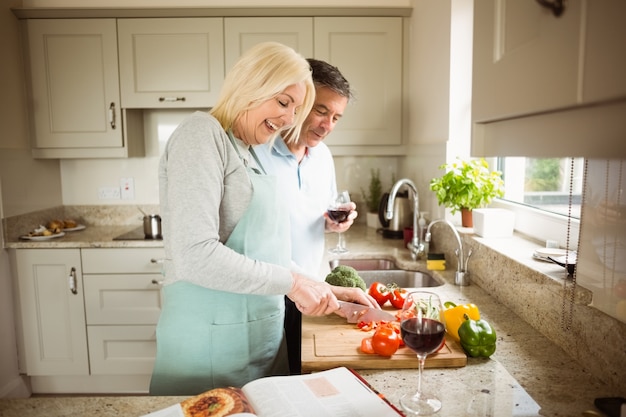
90,237
528,375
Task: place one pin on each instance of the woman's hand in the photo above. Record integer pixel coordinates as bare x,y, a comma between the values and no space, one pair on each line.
312,298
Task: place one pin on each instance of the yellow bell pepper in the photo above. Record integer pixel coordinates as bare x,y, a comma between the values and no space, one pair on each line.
455,316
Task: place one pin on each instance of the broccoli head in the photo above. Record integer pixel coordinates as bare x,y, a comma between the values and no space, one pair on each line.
345,276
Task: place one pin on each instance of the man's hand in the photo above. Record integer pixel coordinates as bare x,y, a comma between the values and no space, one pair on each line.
332,226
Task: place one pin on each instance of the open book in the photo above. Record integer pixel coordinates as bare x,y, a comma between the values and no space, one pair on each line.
337,392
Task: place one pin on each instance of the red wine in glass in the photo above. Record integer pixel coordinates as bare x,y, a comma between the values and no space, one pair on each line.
422,327
422,336
339,215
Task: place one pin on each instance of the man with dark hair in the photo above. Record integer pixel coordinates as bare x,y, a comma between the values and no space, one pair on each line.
307,174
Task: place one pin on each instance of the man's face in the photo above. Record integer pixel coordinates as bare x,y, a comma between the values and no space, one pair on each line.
326,112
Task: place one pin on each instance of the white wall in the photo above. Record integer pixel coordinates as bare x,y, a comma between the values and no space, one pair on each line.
11,383
25,185
28,184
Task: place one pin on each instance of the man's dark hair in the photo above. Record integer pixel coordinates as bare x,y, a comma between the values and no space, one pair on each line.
326,75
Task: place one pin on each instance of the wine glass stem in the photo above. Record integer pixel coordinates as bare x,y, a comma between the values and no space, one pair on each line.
422,361
340,242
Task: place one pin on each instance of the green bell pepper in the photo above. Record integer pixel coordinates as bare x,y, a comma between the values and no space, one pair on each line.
478,338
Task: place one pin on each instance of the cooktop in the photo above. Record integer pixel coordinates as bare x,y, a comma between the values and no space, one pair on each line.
136,234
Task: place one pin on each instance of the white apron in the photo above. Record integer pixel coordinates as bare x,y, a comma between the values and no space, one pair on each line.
207,338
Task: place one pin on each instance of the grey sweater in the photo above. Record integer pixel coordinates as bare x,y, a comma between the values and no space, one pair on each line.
204,191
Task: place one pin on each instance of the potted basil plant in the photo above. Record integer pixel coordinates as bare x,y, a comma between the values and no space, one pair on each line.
467,185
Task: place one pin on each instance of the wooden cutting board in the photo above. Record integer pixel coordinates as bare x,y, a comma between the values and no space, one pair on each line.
329,341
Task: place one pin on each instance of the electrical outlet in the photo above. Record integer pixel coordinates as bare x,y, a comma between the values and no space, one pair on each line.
127,186
109,193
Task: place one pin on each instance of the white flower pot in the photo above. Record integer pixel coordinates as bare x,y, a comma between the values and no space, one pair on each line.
493,222
372,220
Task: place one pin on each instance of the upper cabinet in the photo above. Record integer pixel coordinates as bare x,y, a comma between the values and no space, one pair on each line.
75,99
243,32
525,59
541,81
367,50
171,63
83,109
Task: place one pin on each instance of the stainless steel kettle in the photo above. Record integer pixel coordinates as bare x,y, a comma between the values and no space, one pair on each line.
402,216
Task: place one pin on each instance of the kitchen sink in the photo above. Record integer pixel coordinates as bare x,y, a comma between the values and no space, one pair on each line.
373,264
387,272
400,277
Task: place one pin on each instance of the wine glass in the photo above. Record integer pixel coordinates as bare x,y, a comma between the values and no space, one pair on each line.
338,210
422,327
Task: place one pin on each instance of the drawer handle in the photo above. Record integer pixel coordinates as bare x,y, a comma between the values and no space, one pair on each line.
156,261
112,115
72,281
157,282
171,99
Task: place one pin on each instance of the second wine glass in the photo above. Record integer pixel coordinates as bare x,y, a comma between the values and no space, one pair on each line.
423,328
338,210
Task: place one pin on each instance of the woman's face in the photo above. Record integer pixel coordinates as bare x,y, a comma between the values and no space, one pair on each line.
258,125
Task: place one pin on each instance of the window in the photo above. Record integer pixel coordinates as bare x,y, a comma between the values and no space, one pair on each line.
538,191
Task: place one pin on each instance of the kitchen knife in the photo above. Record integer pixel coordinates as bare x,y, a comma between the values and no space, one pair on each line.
356,313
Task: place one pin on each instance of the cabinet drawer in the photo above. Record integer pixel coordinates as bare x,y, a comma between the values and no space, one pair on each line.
126,260
125,350
122,298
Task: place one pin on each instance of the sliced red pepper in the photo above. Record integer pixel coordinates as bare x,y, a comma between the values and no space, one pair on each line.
366,345
380,293
398,296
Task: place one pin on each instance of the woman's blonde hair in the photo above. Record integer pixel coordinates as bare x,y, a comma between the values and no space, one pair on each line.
261,73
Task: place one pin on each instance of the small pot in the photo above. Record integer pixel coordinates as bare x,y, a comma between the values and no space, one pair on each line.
152,226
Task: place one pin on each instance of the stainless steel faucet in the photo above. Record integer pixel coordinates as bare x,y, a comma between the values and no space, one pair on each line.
462,275
415,246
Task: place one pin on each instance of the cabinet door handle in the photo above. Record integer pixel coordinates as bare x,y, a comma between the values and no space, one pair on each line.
157,282
171,99
112,115
156,261
556,6
72,281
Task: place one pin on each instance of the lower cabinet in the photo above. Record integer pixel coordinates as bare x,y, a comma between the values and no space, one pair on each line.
52,312
88,317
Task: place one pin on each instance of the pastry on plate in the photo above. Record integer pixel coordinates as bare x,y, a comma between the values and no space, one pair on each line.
218,402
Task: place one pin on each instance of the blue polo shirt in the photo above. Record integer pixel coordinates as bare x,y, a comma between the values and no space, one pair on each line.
308,187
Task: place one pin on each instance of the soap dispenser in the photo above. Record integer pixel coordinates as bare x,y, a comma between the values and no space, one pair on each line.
421,227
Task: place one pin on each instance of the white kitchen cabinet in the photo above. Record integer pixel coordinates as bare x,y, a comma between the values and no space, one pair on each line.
243,32
74,83
527,61
170,62
605,56
122,307
548,86
51,308
367,50
87,317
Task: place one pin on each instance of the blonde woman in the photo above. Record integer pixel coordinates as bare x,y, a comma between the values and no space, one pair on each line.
226,233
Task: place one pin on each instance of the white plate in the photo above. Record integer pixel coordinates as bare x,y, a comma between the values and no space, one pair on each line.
37,238
541,258
75,229
545,252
